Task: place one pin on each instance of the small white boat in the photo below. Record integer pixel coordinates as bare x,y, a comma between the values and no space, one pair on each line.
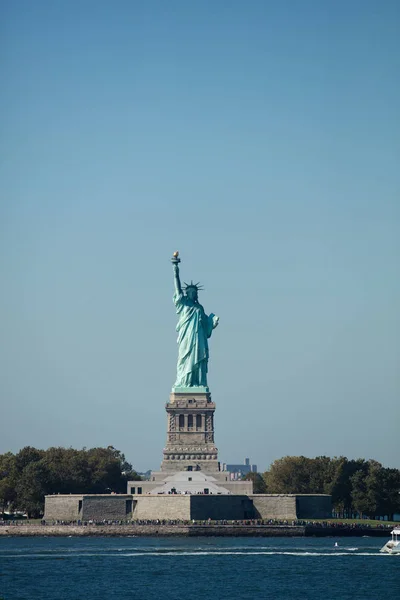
393,545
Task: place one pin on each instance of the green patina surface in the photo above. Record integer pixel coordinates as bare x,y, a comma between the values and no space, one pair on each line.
194,328
191,390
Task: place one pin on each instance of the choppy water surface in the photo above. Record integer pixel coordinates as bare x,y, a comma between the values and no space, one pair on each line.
196,568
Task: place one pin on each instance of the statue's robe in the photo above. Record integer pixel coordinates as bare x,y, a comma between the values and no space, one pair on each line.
194,328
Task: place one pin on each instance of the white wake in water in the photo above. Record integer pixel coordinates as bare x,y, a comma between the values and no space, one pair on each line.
68,555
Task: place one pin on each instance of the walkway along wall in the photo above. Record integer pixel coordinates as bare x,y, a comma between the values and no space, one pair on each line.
238,530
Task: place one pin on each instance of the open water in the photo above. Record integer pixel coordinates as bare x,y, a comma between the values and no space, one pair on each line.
196,568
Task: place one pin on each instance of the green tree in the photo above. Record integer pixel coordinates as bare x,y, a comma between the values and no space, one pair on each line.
106,472
32,487
27,477
292,475
359,494
389,498
321,474
340,485
8,479
26,456
259,485
376,490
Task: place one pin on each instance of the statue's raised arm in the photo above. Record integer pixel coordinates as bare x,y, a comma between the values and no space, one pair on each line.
175,262
194,328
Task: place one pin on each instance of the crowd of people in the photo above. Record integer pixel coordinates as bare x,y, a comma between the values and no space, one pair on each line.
206,523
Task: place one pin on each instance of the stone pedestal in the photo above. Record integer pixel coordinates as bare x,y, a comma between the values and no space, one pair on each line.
190,432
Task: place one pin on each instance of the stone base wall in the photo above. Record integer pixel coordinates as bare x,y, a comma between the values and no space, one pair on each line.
111,507
62,508
182,507
272,506
292,506
220,507
243,488
197,507
162,507
96,507
314,506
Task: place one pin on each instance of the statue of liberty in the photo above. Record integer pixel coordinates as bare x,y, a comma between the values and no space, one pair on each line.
194,328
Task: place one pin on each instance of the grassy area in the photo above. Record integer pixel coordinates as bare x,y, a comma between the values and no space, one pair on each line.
366,522
34,521
25,521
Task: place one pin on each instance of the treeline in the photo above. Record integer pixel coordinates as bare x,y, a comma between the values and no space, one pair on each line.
26,477
362,487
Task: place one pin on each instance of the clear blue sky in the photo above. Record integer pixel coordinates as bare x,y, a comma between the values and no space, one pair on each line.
262,140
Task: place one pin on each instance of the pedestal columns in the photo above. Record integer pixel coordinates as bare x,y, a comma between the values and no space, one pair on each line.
190,449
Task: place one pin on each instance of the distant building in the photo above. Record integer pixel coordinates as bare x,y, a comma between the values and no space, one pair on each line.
238,471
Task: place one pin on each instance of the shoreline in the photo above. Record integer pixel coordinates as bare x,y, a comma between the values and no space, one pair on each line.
187,531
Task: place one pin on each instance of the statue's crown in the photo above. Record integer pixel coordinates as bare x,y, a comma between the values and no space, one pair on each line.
195,286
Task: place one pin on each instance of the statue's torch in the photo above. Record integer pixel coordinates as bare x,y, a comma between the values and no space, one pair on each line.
175,258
